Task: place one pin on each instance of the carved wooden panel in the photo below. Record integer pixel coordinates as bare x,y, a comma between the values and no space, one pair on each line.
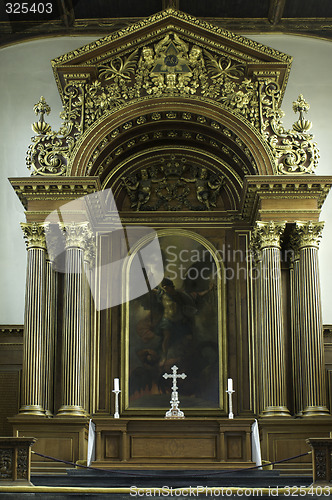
164,447
112,446
57,447
234,447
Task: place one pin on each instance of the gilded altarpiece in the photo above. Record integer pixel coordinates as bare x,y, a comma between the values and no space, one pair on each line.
180,121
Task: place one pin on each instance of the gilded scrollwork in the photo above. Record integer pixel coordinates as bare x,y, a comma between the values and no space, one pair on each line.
169,64
173,185
50,151
6,463
22,463
294,150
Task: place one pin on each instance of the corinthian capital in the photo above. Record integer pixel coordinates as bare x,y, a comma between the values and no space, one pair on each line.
77,234
34,234
267,234
309,233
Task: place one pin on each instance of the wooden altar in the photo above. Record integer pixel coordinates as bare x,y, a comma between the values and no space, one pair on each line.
159,443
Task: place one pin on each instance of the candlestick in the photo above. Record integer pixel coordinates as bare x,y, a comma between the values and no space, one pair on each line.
230,395
116,399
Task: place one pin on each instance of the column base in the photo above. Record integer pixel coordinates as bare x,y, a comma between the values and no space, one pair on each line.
275,411
71,411
32,410
315,411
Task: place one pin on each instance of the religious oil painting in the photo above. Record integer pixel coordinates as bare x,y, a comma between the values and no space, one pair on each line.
176,323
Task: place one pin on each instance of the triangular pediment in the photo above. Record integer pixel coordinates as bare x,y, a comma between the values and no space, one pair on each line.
171,42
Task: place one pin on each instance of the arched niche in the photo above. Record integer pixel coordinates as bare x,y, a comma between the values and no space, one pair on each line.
181,123
197,336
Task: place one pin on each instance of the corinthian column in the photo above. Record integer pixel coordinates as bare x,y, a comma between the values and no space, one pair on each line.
311,327
296,290
272,330
50,323
34,322
74,323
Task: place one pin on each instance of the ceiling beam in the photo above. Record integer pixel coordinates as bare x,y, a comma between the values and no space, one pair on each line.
23,30
276,11
171,3
67,14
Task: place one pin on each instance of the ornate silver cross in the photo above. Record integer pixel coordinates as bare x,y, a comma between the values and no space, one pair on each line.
175,411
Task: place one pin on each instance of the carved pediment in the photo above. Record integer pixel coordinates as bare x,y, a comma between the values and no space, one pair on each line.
167,60
168,35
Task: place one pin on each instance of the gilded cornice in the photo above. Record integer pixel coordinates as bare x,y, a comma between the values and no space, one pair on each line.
268,234
174,14
308,233
50,188
268,186
34,235
12,329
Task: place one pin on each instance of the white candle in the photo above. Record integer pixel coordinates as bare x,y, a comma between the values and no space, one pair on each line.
230,384
116,384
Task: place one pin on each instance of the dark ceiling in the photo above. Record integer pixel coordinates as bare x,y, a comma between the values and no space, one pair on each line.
31,19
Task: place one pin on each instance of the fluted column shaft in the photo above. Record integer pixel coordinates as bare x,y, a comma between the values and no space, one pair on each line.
296,334
311,326
256,277
88,263
74,327
273,342
34,322
49,343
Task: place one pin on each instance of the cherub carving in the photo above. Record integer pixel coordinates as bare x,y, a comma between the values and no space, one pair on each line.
139,191
207,189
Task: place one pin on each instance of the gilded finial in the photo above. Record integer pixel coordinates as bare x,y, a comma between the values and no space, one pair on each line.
301,106
41,127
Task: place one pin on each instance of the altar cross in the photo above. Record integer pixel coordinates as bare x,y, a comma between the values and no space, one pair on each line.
174,376
174,412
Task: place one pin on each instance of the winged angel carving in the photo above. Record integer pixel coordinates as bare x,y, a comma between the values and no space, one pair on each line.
173,66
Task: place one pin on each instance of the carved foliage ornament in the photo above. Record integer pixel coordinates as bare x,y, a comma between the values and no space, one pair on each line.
22,463
294,150
6,463
308,233
173,185
173,67
267,234
34,235
77,234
